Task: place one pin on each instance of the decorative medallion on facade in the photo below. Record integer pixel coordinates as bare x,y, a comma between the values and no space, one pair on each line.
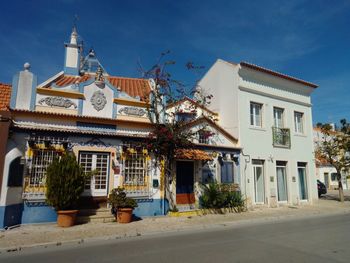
98,100
57,102
132,111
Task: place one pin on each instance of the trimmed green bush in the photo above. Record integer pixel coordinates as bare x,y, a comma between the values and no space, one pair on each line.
218,196
65,181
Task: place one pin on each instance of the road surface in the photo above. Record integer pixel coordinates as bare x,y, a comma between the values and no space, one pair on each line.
318,239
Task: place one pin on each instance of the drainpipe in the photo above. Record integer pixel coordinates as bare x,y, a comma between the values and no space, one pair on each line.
246,161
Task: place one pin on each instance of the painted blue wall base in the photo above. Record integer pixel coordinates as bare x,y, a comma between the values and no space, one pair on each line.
10,215
38,213
151,207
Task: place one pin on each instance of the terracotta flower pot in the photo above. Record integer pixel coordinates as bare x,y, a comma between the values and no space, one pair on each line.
124,215
66,218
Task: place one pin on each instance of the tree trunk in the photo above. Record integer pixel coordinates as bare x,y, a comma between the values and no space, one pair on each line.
341,192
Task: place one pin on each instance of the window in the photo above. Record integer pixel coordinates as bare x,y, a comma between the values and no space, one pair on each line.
135,170
227,172
334,177
298,122
185,116
203,136
42,158
278,117
256,114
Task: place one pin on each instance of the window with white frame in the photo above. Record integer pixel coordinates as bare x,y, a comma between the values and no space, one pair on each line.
135,170
298,122
278,117
255,114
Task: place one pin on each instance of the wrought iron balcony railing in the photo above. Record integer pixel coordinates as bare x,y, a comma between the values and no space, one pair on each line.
281,137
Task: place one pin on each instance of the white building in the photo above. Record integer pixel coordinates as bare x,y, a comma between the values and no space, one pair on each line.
270,115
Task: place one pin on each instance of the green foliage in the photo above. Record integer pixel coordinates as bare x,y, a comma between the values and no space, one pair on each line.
118,199
65,181
212,196
218,196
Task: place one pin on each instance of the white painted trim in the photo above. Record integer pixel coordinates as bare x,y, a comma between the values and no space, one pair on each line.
50,79
274,96
5,198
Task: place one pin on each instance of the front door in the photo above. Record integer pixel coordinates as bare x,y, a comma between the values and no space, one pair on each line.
184,183
97,184
282,193
258,171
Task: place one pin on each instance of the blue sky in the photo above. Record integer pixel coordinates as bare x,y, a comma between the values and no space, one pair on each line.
306,39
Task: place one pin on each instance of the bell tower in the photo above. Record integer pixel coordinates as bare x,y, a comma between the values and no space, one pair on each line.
72,55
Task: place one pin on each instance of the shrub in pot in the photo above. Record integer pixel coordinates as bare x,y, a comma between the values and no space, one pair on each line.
65,181
122,206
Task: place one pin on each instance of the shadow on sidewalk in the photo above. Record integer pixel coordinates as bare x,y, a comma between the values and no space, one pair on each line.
334,197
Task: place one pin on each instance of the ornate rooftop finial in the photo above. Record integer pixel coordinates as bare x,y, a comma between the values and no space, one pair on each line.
91,53
99,79
74,36
26,66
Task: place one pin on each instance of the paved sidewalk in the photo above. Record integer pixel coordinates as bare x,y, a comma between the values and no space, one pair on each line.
45,235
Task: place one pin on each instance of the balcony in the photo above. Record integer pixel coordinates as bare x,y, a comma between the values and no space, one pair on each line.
281,137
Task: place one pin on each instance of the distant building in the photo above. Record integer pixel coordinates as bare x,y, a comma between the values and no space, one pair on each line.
325,172
270,115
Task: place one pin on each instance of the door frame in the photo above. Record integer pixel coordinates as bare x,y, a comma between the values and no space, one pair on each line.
306,185
254,166
93,192
193,182
286,183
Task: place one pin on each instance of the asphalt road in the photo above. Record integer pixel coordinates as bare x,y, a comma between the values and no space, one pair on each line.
318,239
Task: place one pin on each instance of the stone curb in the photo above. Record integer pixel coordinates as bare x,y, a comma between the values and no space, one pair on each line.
205,226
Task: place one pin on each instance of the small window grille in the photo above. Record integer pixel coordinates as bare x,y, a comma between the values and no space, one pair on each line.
42,158
203,136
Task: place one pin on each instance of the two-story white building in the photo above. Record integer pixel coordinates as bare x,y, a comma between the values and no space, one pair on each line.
270,115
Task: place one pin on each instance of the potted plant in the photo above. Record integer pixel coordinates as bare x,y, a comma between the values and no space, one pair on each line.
122,206
65,181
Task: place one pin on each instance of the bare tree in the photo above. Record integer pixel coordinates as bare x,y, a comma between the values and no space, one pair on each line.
170,132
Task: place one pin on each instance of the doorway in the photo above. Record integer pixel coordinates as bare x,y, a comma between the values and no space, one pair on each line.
259,186
97,184
281,172
184,182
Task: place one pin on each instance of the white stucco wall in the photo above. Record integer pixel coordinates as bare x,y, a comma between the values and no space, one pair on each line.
233,89
221,81
72,57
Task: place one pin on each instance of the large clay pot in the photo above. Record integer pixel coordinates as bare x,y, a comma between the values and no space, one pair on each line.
66,218
124,215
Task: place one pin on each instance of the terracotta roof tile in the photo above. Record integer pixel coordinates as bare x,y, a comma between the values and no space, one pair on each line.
5,96
65,80
192,154
132,86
